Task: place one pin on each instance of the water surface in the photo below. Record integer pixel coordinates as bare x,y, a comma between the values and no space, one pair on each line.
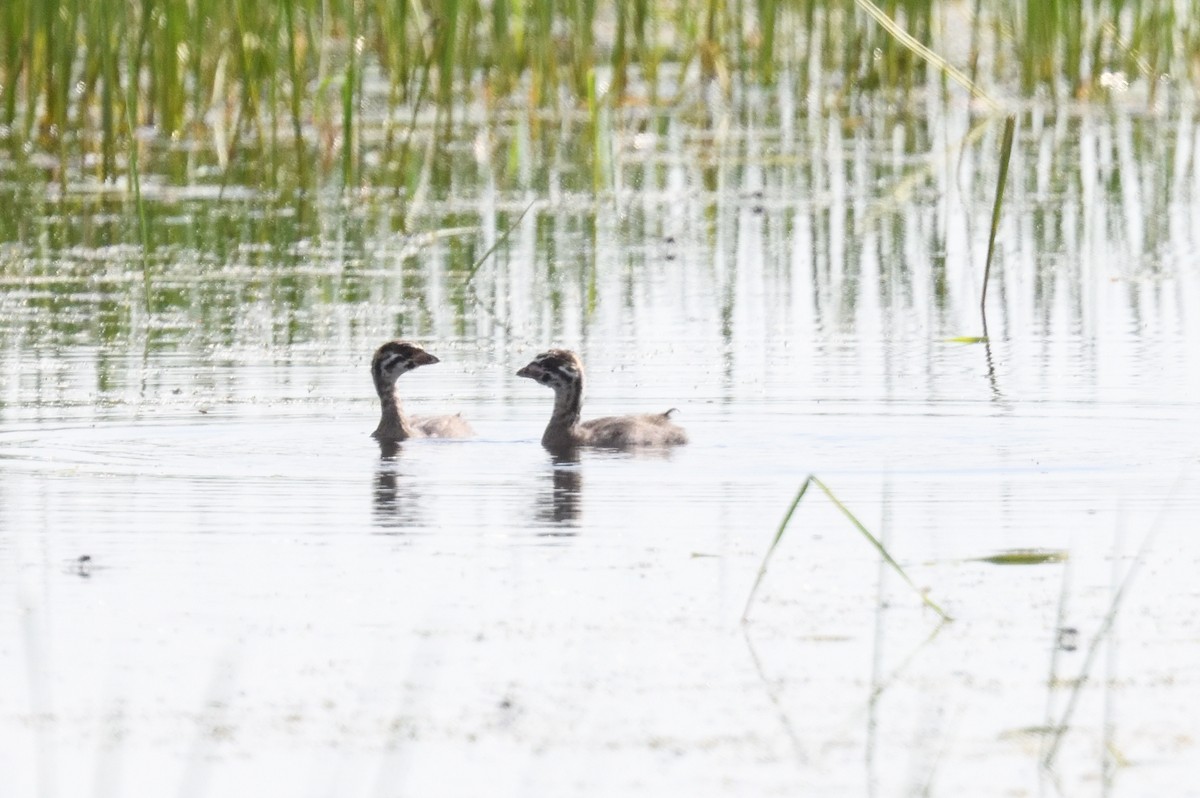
271,604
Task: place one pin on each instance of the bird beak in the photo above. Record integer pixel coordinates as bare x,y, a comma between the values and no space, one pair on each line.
532,371
425,359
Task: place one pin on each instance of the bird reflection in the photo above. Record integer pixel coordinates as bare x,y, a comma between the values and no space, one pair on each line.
397,504
560,504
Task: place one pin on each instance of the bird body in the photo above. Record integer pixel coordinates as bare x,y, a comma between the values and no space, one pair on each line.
391,361
647,429
562,370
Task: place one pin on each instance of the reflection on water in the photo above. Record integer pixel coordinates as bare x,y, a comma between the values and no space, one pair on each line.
769,229
408,477
397,502
559,501
790,280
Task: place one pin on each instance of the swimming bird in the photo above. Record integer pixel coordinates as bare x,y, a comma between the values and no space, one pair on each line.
562,370
390,361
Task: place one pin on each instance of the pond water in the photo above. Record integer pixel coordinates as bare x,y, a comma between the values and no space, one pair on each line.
217,583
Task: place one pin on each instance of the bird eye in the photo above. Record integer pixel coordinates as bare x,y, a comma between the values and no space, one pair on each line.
545,378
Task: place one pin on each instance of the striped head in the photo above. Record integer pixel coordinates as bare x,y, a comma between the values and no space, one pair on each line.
393,359
557,368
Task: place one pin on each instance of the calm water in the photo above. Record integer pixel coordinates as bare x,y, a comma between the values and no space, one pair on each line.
274,606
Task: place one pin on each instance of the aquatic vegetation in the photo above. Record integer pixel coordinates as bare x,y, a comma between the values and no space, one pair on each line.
77,79
1006,147
1025,557
874,541
1121,584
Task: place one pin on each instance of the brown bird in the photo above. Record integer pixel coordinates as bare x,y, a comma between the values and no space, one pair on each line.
390,361
562,370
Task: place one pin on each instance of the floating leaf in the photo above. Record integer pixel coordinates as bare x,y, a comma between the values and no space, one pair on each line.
1025,731
1025,557
967,339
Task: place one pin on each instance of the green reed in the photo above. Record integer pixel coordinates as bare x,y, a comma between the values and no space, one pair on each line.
294,74
350,87
1006,146
295,92
135,180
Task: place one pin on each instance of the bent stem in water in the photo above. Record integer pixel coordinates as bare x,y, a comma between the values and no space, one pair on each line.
874,541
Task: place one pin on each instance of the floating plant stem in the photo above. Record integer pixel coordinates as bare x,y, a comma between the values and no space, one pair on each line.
874,541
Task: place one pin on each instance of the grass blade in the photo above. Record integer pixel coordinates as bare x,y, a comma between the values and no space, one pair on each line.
1006,146
135,179
499,240
929,56
762,569
879,547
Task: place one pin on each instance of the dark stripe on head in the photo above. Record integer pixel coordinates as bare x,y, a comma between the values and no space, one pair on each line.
387,362
560,362
393,358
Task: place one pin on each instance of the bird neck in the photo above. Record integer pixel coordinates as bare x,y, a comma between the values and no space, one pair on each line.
567,405
393,425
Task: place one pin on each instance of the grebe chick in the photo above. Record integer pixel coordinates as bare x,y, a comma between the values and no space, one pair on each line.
390,361
562,370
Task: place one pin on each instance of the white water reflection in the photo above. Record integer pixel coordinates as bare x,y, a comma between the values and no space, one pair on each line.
272,600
